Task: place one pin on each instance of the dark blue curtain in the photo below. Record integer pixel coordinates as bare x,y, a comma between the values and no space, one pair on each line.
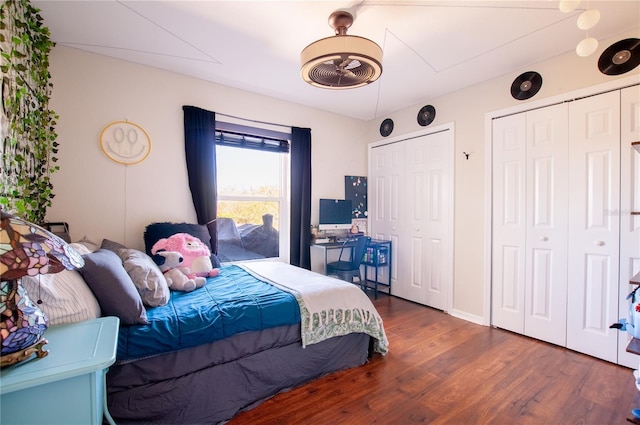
300,242
200,150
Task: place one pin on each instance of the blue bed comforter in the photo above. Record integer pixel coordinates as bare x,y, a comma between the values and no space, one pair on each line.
231,303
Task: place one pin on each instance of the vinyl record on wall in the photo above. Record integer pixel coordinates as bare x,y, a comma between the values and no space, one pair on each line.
386,127
620,57
426,115
526,85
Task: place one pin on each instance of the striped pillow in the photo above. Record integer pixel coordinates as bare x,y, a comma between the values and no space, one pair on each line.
65,296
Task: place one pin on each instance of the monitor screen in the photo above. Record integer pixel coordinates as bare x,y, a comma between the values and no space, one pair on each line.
335,214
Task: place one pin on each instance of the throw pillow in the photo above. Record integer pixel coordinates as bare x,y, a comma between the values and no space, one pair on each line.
65,296
146,276
111,245
112,286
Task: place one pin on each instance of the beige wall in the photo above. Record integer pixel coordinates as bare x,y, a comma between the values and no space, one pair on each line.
467,109
102,199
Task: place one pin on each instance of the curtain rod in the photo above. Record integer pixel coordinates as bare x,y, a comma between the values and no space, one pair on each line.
255,121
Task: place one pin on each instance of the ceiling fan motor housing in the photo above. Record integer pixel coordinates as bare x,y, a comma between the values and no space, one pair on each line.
342,61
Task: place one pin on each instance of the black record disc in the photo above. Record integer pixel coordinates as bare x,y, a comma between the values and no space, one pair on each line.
426,115
620,57
386,127
526,85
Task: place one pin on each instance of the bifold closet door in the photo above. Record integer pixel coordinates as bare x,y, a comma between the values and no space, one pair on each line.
508,222
428,219
410,203
594,236
386,197
545,305
629,202
529,275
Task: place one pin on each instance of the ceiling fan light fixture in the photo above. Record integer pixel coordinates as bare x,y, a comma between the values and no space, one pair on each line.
567,6
586,47
588,19
342,61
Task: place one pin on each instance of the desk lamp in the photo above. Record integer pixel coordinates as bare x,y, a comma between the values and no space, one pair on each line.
26,250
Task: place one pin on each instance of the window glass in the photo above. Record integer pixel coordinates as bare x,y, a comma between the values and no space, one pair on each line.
252,203
247,172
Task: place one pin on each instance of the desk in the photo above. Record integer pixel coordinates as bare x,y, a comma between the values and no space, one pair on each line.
68,385
376,262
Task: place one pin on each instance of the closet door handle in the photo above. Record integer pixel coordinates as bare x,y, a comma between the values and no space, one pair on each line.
599,243
544,238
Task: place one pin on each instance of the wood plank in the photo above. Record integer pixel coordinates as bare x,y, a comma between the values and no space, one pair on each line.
444,370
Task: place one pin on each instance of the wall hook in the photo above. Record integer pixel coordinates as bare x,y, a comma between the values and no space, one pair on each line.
467,154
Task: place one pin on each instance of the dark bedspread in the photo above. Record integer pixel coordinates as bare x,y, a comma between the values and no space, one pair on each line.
232,303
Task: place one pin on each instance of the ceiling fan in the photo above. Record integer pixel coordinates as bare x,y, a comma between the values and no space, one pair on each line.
342,61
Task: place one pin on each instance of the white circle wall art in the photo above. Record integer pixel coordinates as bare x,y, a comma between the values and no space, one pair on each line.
125,142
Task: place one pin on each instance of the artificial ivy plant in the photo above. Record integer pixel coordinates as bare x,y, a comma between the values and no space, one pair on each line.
27,125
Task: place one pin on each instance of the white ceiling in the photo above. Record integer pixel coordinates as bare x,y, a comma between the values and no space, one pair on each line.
430,47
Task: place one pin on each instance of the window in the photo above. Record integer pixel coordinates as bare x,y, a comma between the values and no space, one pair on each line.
252,193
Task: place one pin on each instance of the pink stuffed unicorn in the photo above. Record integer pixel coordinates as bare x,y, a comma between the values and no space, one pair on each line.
196,255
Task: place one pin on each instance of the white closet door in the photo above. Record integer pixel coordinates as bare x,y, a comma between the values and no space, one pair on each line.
386,195
428,219
594,202
629,201
509,223
545,307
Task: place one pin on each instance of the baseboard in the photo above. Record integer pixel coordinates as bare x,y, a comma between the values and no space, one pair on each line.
468,317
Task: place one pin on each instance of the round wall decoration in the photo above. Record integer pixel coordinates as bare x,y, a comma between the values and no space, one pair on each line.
620,57
386,127
125,142
526,85
426,115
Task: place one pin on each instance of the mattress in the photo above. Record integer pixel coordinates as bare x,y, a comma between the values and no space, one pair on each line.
231,303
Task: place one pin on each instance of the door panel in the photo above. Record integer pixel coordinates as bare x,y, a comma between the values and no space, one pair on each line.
629,201
594,170
546,230
428,165
508,247
386,197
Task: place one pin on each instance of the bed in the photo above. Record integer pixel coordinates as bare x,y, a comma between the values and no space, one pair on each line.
200,357
260,328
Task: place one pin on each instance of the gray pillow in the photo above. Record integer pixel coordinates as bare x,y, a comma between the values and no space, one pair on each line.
112,287
146,276
111,245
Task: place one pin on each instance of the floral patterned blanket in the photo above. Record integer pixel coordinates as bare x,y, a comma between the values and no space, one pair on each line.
328,307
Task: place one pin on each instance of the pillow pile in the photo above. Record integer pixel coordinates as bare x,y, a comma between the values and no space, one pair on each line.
115,280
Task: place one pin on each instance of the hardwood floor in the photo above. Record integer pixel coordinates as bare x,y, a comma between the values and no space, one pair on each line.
444,370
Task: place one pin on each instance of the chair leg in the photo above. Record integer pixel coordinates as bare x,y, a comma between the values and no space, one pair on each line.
363,285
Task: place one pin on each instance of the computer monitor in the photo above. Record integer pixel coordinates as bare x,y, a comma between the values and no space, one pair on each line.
335,214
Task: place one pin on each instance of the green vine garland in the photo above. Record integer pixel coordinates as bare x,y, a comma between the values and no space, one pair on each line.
27,125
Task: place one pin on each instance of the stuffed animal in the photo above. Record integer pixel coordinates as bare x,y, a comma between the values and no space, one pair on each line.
631,323
175,275
196,255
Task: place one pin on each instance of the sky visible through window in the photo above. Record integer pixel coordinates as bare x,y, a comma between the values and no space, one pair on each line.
246,170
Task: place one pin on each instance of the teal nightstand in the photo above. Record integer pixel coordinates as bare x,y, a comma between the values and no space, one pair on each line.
67,386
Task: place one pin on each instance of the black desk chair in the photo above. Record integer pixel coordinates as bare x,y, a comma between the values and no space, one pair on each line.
348,269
